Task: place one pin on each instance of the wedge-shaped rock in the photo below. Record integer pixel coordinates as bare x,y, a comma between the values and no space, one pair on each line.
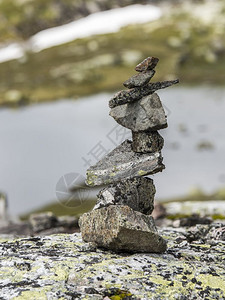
139,79
134,94
122,163
137,193
144,115
147,64
147,141
120,228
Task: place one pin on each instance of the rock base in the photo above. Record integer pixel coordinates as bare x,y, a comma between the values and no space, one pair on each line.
120,228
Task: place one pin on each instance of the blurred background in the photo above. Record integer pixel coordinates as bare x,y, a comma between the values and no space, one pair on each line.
60,63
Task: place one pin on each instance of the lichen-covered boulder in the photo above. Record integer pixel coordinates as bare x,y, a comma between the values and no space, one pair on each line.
63,267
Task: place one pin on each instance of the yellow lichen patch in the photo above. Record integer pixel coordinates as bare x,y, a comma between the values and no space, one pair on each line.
215,282
60,271
39,294
201,245
142,173
91,178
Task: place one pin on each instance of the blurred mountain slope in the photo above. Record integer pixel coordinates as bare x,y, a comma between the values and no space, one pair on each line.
20,19
189,40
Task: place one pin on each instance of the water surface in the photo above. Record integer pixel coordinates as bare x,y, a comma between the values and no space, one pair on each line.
41,143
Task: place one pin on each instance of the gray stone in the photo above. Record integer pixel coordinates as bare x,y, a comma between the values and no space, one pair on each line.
147,64
144,115
134,94
120,228
42,221
42,224
139,79
147,141
137,193
4,218
122,163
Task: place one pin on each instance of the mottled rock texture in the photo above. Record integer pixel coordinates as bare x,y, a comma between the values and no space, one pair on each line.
137,193
139,79
148,63
146,114
147,141
42,221
120,228
122,163
134,94
63,267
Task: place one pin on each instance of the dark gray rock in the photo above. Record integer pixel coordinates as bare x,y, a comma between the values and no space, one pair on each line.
139,79
122,163
42,221
137,193
147,141
47,223
125,230
147,64
134,94
144,115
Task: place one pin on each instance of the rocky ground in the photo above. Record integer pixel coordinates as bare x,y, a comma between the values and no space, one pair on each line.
61,266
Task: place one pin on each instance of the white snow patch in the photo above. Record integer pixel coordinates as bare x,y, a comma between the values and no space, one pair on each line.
97,23
12,51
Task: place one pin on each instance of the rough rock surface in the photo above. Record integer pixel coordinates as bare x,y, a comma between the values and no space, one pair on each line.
63,267
147,64
122,163
139,79
145,141
120,228
146,114
41,224
137,193
134,94
212,208
42,221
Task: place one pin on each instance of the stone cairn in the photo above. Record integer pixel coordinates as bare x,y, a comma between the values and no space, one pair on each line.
121,219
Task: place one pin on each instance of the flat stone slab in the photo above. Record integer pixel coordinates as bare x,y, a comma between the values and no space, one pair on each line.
122,163
139,79
137,193
62,266
145,141
146,114
120,228
134,94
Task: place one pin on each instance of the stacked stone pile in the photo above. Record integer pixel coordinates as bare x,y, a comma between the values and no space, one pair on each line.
121,219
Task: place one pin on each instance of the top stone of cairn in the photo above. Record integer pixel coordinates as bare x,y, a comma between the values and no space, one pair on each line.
138,85
147,64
